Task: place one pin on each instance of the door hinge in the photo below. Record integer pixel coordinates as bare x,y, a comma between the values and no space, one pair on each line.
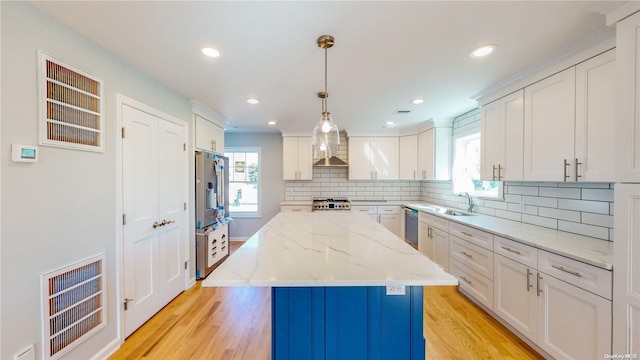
184,146
123,132
185,206
185,265
124,219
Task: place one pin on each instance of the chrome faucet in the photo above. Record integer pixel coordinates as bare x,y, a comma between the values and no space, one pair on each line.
472,205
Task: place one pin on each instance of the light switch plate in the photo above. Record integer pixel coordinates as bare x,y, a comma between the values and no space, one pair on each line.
396,290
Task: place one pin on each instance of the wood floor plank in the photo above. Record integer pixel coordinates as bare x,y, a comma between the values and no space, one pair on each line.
235,324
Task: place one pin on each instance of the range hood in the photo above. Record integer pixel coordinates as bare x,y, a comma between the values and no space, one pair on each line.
330,161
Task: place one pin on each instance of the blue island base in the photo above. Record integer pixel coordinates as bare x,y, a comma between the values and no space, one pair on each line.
353,323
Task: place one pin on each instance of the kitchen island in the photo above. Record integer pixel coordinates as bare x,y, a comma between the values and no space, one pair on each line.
343,286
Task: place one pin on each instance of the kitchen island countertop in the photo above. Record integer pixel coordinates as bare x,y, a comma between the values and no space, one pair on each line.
332,248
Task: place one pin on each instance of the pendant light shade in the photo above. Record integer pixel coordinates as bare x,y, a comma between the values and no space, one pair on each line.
326,135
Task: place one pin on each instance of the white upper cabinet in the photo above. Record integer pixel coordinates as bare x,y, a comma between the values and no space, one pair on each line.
627,141
297,158
502,130
568,120
408,158
549,127
434,154
595,113
209,136
373,158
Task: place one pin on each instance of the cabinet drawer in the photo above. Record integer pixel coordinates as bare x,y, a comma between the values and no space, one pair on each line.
364,209
472,235
591,278
473,283
295,208
473,256
435,221
389,210
524,254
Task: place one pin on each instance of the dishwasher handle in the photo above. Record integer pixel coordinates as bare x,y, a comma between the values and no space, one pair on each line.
410,210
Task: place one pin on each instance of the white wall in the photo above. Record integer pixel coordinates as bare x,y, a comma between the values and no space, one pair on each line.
271,182
61,209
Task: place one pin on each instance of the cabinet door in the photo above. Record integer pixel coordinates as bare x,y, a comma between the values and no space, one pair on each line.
491,132
360,158
595,112
385,158
408,158
425,243
626,290
549,127
391,222
218,139
572,323
205,134
628,94
305,158
425,155
514,295
512,124
440,240
290,158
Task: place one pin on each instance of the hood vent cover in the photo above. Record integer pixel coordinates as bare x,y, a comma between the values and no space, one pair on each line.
330,161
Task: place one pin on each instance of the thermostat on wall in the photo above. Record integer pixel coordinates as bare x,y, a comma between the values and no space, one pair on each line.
24,153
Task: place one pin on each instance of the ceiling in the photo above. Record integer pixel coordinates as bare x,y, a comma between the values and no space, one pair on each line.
386,53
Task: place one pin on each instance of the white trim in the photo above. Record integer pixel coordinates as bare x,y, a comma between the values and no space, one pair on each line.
203,111
622,12
108,350
120,101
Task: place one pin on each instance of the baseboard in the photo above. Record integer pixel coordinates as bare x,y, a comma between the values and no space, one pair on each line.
110,349
192,282
238,238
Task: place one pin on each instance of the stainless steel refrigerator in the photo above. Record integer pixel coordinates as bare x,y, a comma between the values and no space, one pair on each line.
212,206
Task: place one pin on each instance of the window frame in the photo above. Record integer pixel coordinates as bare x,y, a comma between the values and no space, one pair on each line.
454,149
245,149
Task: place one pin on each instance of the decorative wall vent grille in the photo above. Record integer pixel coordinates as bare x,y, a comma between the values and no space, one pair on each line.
73,305
70,107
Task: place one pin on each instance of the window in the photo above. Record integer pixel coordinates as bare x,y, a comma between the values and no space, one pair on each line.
70,107
244,181
466,169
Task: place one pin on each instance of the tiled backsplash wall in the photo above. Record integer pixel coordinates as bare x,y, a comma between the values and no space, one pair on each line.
581,208
332,181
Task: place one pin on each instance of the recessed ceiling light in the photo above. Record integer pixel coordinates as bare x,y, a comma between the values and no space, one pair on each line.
252,101
483,51
210,52
417,101
271,123
389,123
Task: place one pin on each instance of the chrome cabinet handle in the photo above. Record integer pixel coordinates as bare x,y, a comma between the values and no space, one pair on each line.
499,172
466,233
566,163
493,176
538,284
511,250
576,175
466,254
574,273
529,273
466,280
414,174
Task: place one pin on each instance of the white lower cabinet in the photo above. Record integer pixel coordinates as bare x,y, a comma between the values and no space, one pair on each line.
433,239
565,320
474,284
389,216
572,323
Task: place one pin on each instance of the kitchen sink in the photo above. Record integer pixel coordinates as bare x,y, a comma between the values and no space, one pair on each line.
457,213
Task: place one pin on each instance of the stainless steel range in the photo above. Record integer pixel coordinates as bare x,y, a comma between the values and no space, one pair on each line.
337,203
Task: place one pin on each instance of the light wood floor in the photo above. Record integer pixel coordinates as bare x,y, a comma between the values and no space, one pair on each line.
235,324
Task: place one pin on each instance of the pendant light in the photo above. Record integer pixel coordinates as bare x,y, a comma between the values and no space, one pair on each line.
326,135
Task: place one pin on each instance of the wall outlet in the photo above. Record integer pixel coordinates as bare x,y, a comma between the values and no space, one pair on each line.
395,290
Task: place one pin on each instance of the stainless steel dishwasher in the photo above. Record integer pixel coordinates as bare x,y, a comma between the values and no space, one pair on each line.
411,226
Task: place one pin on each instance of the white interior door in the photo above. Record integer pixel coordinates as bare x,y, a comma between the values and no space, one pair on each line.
153,193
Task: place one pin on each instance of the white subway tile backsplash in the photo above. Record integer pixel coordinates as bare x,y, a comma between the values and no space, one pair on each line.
521,190
540,201
583,229
508,215
597,194
600,207
559,214
564,193
597,219
540,221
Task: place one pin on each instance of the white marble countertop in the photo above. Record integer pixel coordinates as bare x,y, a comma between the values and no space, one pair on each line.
582,248
326,249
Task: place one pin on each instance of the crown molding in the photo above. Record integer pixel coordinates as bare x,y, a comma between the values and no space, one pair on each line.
202,110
